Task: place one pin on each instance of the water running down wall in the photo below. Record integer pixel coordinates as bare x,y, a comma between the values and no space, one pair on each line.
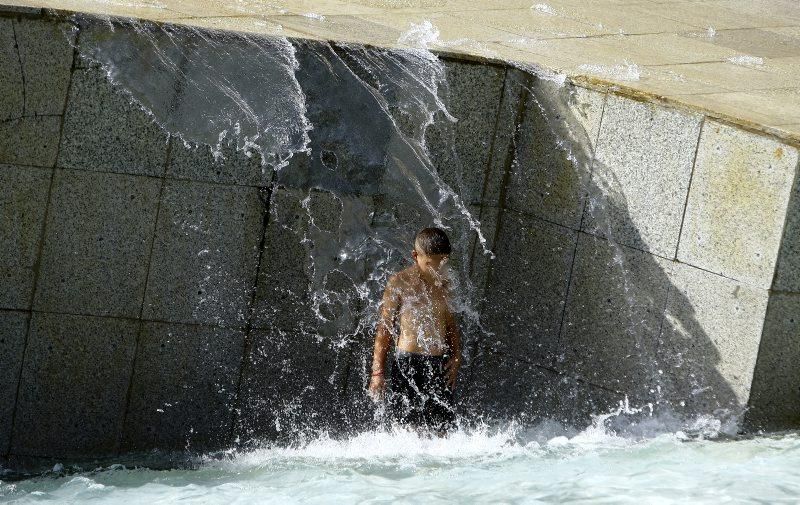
156,298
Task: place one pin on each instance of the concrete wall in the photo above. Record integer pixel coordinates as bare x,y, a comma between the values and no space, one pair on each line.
150,298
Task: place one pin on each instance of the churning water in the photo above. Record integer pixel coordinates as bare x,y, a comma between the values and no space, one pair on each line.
480,466
265,97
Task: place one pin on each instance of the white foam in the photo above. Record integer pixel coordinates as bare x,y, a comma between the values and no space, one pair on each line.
544,8
746,60
420,35
625,71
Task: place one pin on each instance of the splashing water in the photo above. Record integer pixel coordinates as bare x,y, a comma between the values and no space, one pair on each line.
508,465
252,95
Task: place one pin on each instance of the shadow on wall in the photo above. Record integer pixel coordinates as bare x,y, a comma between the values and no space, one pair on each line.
585,304
251,289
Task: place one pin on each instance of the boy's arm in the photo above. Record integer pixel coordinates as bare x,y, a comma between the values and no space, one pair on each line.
390,306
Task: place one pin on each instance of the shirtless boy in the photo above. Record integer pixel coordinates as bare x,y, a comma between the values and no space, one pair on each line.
428,344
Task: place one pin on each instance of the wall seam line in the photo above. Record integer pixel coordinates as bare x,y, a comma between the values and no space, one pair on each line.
488,169
794,190
580,221
21,68
689,186
267,193
486,176
510,155
40,252
140,329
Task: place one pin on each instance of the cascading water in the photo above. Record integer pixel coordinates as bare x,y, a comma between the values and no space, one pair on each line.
341,140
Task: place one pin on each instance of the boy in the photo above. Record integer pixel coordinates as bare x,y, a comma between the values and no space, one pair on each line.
428,344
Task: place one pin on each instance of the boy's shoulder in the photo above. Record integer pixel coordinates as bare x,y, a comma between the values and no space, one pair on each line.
403,277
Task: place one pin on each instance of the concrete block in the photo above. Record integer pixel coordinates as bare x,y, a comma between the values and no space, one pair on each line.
737,204
23,200
12,95
516,87
350,141
30,141
105,131
308,278
528,286
198,164
97,244
481,261
13,327
787,271
45,50
74,383
554,149
283,291
586,107
614,312
709,341
775,393
292,383
184,383
21,9
641,175
205,254
503,387
579,401
461,151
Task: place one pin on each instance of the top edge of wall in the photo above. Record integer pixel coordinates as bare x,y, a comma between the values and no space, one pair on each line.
592,83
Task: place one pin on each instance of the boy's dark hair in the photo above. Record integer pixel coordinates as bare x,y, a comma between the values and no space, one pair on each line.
433,241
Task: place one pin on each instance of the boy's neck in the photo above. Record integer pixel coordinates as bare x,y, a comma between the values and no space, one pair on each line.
425,276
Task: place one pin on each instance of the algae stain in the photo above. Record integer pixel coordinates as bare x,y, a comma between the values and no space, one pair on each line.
741,195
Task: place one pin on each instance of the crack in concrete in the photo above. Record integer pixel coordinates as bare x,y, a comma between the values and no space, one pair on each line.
21,67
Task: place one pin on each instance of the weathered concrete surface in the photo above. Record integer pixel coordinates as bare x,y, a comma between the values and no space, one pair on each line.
45,53
223,267
504,386
73,387
23,200
30,140
787,272
528,287
709,339
737,206
553,152
461,152
104,131
775,394
643,162
205,251
36,60
185,369
614,311
13,328
97,243
197,163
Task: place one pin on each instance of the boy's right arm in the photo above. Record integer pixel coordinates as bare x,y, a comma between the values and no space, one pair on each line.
390,306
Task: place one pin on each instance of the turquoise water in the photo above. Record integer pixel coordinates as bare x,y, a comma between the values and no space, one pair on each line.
483,466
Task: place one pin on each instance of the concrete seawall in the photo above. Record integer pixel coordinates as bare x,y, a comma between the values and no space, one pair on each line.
641,251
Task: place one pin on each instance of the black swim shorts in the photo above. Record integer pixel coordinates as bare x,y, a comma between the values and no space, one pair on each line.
420,395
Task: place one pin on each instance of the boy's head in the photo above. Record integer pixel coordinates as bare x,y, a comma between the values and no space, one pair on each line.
431,249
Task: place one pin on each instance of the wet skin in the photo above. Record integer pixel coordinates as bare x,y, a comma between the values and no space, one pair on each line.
417,297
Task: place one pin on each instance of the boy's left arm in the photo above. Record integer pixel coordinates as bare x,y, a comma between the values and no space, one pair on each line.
454,343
